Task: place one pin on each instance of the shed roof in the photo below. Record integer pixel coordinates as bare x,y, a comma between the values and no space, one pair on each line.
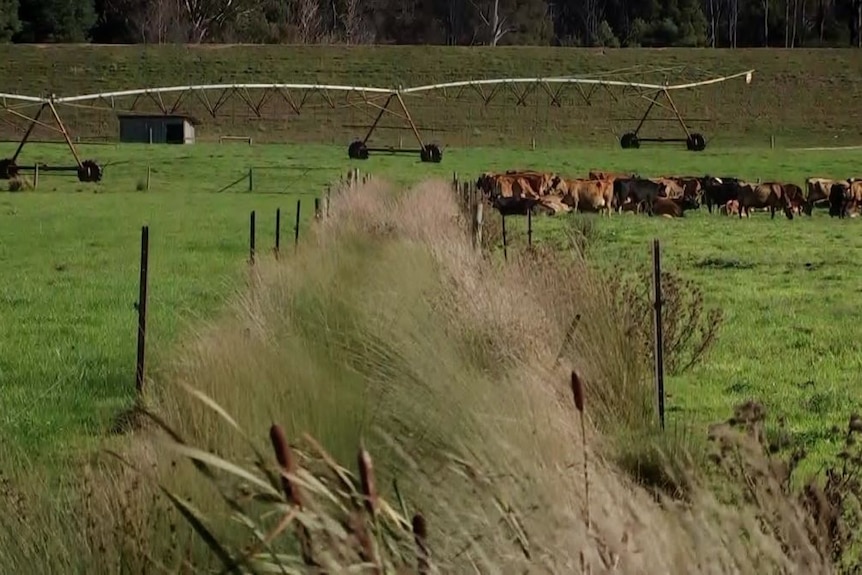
190,119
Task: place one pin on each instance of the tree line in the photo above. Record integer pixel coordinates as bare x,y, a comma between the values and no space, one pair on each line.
611,23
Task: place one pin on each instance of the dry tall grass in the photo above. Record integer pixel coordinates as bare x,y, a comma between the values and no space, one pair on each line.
455,372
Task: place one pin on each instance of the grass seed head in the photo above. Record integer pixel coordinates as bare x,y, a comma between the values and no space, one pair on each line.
366,474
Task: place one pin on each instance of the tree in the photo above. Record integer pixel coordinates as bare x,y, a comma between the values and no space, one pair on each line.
493,20
9,23
56,20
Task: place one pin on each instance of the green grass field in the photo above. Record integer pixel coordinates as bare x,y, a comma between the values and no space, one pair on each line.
784,100
70,257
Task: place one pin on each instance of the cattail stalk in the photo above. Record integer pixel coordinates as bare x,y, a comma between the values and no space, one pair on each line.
420,535
284,456
287,462
578,393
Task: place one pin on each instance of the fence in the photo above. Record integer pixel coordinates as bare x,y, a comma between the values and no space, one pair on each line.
477,209
352,178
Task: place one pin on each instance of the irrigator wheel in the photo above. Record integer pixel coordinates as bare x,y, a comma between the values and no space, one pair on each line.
695,142
630,140
357,150
432,153
8,169
89,171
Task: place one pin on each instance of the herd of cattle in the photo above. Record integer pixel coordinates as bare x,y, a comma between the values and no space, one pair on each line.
522,191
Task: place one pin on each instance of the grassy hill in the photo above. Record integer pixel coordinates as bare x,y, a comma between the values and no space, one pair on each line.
802,97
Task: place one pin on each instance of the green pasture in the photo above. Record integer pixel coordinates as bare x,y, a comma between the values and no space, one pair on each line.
69,254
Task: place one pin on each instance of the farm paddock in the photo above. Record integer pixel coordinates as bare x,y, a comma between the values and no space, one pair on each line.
70,255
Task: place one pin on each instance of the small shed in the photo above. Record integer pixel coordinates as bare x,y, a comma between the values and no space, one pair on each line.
156,129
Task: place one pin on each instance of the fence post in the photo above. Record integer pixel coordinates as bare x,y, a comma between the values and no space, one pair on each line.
505,243
277,232
141,306
296,224
251,230
35,176
251,179
530,229
659,336
148,177
477,223
317,213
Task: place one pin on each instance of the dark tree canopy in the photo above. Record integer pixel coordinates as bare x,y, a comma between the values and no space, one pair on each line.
626,23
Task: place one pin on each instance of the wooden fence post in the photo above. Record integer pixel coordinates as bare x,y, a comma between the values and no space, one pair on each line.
296,224
277,247
659,336
477,223
317,214
251,231
251,179
36,176
505,243
141,306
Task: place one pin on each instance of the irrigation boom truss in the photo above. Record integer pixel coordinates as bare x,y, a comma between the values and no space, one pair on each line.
384,100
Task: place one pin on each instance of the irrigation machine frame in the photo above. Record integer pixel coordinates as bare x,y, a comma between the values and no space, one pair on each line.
86,170
393,104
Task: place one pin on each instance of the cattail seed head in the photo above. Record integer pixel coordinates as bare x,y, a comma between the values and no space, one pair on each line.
286,461
578,391
420,527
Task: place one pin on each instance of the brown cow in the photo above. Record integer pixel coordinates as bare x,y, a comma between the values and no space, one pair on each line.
516,184
588,195
672,188
798,203
843,196
818,192
541,182
766,195
601,175
633,207
674,207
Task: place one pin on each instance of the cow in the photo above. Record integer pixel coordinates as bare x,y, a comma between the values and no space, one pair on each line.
516,184
691,187
672,187
553,204
766,195
637,190
718,191
515,206
794,194
818,190
844,195
588,195
674,207
601,175
731,208
633,207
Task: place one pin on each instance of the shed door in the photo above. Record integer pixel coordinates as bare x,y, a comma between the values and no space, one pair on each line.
174,133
